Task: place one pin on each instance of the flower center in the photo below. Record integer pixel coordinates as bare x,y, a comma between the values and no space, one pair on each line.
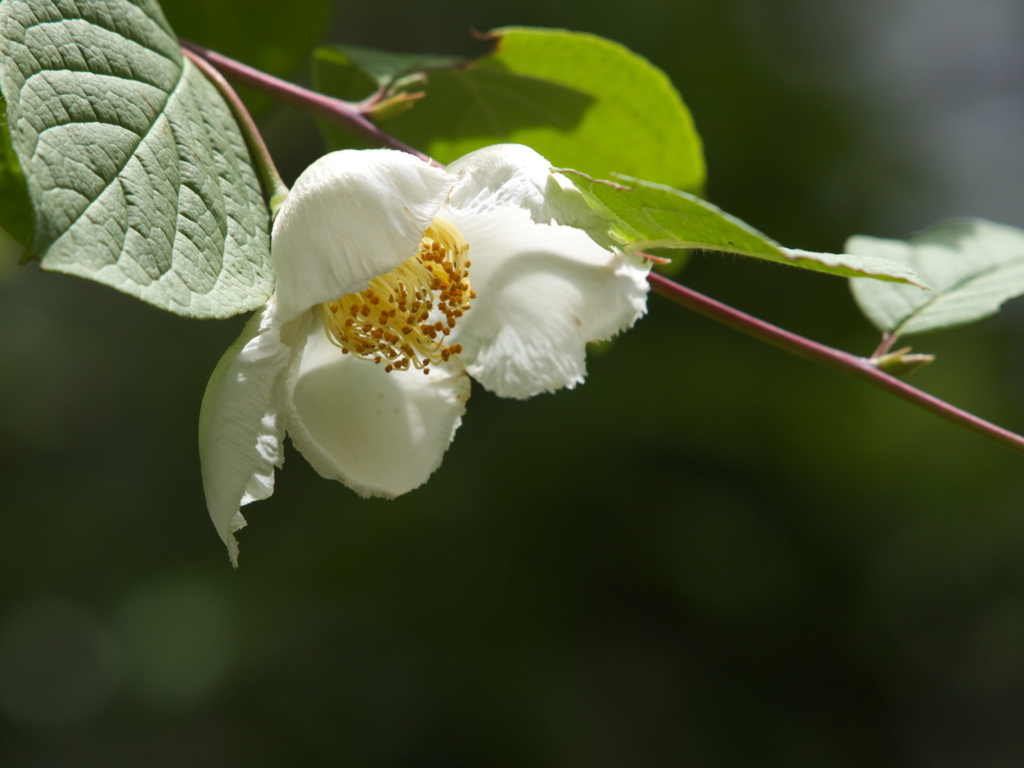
403,317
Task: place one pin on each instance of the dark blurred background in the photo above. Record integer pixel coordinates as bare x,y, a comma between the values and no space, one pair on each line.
709,555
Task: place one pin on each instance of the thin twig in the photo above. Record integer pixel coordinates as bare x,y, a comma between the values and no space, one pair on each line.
350,117
336,111
831,358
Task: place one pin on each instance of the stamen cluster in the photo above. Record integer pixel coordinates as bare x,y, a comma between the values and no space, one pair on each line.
403,317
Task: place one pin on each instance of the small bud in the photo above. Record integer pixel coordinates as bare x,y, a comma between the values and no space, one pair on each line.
900,363
393,106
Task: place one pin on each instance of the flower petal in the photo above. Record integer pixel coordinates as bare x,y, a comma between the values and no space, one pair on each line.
241,422
515,175
381,434
543,292
352,215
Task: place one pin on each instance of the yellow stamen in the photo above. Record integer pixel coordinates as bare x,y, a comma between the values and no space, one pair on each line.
394,309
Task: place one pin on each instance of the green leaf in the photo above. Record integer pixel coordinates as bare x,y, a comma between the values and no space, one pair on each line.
580,100
644,215
137,172
973,267
15,207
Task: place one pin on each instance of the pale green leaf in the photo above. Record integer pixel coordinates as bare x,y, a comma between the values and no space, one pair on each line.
645,215
137,172
580,100
972,266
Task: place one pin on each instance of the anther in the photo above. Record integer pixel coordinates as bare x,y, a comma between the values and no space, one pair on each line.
390,319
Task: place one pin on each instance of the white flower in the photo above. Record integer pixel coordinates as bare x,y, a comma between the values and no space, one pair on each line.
396,279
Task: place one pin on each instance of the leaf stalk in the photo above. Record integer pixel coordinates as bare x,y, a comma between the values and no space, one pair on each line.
338,112
272,182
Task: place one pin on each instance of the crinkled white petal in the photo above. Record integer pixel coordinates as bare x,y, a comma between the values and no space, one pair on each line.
351,216
543,292
515,175
242,419
381,434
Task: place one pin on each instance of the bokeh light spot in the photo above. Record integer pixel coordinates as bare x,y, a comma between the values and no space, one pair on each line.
58,665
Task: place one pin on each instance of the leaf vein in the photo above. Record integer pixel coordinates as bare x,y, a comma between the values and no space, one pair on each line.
957,286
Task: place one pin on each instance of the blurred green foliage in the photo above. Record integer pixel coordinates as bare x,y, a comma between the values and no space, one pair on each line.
708,555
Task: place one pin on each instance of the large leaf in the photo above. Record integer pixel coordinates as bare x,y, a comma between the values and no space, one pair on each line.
15,207
972,266
581,101
136,169
644,215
